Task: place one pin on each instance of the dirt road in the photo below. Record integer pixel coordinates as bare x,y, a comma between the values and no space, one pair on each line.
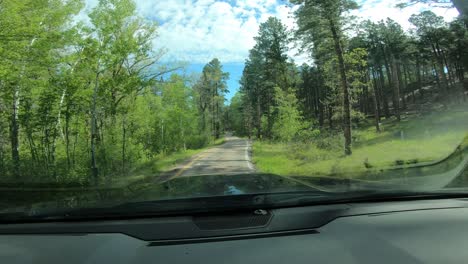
232,157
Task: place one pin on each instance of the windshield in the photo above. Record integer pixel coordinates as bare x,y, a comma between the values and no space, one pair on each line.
111,102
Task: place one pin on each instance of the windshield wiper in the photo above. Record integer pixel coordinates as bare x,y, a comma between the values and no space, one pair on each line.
221,204
212,204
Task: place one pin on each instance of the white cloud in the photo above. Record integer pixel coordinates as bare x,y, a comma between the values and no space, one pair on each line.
199,30
377,10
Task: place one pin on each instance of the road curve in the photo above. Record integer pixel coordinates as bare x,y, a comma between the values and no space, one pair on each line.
232,157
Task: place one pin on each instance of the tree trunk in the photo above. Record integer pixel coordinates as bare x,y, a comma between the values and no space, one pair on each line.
383,94
364,101
67,137
403,81
376,94
344,84
259,119
94,135
396,89
14,134
376,110
440,68
218,122
419,80
437,75
320,106
124,142
445,64
321,113
203,117
372,86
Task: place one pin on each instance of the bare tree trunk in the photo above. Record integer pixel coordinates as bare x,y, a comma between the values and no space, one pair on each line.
258,119
440,69
451,78
124,142
402,82
344,84
316,100
94,168
67,137
320,105
396,89
376,110
383,95
217,120
58,130
376,94
436,75
14,135
419,80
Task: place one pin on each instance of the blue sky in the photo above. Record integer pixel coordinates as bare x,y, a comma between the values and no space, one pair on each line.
196,31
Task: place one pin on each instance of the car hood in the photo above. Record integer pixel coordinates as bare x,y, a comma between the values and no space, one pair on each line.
219,185
149,190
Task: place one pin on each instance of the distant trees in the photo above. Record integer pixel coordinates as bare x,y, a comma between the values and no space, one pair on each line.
238,116
266,69
211,90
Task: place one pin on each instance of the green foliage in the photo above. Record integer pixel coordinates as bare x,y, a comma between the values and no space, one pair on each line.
266,69
90,101
288,122
210,92
237,116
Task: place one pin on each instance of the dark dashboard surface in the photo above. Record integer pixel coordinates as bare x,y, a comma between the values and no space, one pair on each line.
425,231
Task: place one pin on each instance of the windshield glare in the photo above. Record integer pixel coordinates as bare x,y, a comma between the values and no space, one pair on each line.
107,102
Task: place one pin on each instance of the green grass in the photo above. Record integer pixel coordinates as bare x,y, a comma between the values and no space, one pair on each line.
415,140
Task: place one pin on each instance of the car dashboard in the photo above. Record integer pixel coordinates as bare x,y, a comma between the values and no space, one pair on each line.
421,231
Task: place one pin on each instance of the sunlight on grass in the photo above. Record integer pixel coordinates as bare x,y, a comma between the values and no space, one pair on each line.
411,142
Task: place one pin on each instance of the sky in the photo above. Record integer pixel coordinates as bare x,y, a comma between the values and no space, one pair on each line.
196,31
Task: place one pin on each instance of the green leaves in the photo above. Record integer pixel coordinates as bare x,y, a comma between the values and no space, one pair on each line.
266,68
89,93
289,120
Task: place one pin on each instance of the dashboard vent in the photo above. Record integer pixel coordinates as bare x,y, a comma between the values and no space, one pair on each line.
259,218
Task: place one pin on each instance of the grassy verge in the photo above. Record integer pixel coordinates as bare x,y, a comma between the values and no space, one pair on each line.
415,140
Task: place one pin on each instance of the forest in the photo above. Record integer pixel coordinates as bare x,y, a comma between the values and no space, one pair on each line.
364,75
89,102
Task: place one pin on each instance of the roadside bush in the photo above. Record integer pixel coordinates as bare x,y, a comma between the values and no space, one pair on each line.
289,120
198,141
308,135
329,143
